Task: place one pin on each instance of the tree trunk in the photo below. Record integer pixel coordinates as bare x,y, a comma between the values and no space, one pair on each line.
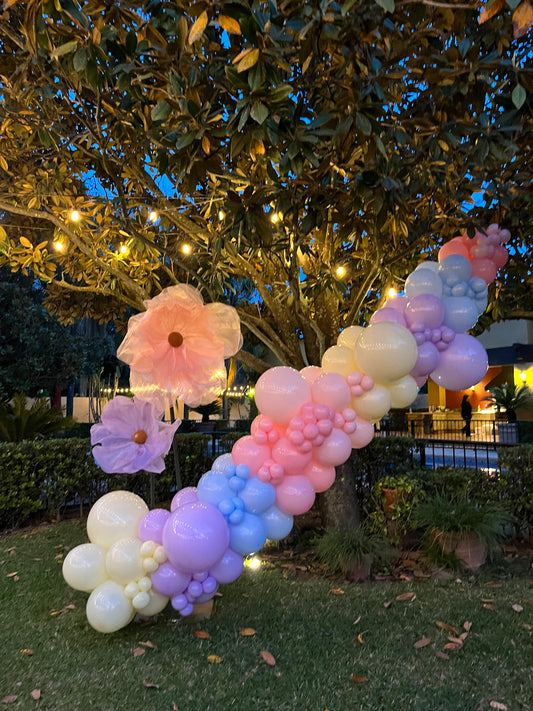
56,397
339,506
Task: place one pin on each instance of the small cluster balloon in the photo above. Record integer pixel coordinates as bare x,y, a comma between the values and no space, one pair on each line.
309,421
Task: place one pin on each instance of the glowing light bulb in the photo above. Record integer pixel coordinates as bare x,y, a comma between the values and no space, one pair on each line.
253,563
153,216
523,376
75,216
124,249
275,217
391,293
58,246
340,272
186,249
221,215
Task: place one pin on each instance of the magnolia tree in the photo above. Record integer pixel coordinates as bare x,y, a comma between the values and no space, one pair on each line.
303,155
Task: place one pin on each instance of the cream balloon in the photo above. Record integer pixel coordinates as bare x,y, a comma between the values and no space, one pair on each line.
374,404
386,351
123,561
84,567
403,391
108,609
156,605
339,359
349,336
114,516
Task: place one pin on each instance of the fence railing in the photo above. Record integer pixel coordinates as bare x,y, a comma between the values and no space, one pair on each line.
427,427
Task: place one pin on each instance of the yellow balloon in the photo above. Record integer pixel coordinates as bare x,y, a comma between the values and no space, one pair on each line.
156,605
386,351
108,609
84,567
349,336
123,561
372,405
339,359
403,391
114,516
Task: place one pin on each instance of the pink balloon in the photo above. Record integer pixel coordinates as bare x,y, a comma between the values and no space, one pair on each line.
184,496
335,450
388,314
321,477
280,392
363,435
311,373
500,256
152,524
484,269
427,360
290,458
295,495
331,389
398,303
462,365
425,308
246,451
454,246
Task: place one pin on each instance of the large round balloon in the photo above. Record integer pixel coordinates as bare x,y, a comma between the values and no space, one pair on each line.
423,281
425,309
427,359
84,567
386,351
372,405
462,365
123,561
339,359
280,392
403,391
115,515
331,389
460,313
108,609
349,336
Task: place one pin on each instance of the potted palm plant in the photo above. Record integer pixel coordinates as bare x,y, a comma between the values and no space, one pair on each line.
509,398
462,530
352,551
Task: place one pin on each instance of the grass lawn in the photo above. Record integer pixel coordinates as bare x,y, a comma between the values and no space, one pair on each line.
336,646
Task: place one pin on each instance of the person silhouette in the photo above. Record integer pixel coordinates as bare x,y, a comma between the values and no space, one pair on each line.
466,414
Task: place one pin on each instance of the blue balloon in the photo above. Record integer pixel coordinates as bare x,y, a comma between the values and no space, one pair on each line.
248,536
460,313
257,495
224,464
213,488
456,265
423,281
278,524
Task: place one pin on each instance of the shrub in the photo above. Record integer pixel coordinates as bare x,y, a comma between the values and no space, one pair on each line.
516,464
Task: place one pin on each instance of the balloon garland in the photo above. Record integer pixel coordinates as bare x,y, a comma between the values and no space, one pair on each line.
138,560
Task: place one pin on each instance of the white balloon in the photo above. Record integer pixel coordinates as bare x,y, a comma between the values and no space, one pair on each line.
114,516
386,351
372,405
423,281
403,391
124,562
84,567
339,359
349,336
108,609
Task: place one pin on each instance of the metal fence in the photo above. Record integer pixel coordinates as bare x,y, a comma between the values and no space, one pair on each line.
427,426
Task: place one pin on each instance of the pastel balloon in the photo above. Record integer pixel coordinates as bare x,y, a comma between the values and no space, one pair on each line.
335,449
84,567
454,246
339,359
500,256
386,351
425,308
295,495
115,515
462,365
247,451
455,265
432,266
348,337
156,604
363,435
403,391
398,303
423,281
427,359
278,524
460,313
311,373
280,392
108,609
484,269
257,495
388,314
213,487
291,459
223,462
248,536
152,524
228,568
321,476
331,389
168,580
372,405
123,561
195,537
184,496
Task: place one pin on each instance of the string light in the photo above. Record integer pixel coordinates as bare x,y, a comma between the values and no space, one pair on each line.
340,272
221,215
74,216
391,293
58,246
523,376
124,249
153,216
186,249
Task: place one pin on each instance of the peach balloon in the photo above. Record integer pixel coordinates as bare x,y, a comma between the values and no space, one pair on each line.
280,392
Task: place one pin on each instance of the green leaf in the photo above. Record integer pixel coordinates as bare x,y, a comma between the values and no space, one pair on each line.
363,124
259,112
519,96
64,49
161,111
80,59
387,5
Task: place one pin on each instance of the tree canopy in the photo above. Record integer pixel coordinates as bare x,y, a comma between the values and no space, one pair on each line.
304,153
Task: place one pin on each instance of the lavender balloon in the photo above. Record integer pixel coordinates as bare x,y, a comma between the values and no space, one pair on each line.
169,581
424,308
152,524
427,360
388,313
462,365
184,496
228,568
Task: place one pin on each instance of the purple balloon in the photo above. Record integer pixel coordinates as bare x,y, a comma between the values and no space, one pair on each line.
421,381
426,308
388,314
462,365
228,568
195,537
152,524
428,360
184,496
169,581
398,303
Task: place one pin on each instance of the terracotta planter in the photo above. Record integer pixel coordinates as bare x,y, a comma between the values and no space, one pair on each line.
466,546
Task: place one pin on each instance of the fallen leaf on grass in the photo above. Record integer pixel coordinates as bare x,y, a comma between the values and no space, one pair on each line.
528,627
448,628
27,652
487,599
488,606
360,638
493,585
406,596
174,707
359,679
201,634
247,632
11,551
442,655
357,620
147,644
452,647
387,604
337,591
35,694
55,613
214,659
517,608
456,640
150,685
422,642
8,699
467,626
138,651
12,575
268,658
497,705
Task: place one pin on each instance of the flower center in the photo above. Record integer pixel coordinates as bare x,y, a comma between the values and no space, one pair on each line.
175,339
140,437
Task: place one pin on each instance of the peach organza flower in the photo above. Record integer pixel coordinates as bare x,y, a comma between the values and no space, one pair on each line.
176,348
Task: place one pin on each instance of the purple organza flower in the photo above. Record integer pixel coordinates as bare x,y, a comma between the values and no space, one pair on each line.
131,437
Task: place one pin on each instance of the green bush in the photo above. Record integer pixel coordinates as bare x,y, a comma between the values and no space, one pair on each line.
516,464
